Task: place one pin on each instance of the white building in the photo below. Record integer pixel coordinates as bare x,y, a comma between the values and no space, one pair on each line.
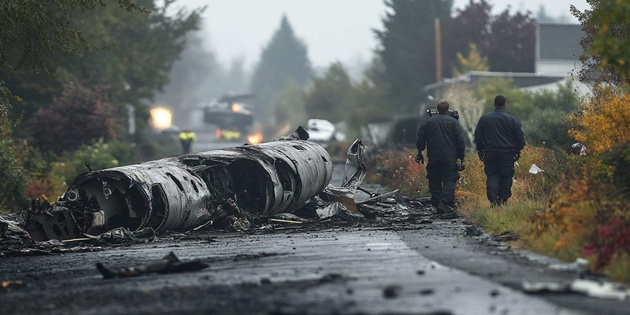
558,49
558,53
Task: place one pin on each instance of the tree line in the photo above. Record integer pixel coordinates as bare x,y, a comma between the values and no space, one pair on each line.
71,69
403,63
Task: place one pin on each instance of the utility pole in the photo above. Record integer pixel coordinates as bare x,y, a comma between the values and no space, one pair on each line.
438,51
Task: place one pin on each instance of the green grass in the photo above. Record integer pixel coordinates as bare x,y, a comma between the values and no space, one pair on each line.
513,217
619,268
547,244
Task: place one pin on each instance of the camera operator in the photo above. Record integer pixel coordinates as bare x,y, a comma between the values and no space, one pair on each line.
442,137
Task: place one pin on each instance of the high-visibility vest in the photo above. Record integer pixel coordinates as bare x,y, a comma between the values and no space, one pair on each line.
231,134
187,136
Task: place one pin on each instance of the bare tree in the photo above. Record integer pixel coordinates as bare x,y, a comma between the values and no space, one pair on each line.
470,108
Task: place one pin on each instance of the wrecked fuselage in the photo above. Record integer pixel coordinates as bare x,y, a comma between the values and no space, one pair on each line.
183,192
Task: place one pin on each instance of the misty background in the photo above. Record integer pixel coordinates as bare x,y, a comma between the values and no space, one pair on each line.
222,57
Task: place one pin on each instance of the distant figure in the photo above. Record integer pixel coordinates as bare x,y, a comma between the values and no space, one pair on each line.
499,139
442,136
186,138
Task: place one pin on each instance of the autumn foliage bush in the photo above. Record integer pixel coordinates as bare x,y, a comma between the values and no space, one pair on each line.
23,172
74,130
590,215
397,169
604,121
612,237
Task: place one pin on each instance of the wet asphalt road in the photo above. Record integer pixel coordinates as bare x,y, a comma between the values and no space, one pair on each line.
333,271
430,268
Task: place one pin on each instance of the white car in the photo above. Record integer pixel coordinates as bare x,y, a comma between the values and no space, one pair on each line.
320,130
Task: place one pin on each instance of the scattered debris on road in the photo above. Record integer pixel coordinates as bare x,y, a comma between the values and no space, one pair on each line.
593,288
392,291
169,264
9,283
472,230
11,230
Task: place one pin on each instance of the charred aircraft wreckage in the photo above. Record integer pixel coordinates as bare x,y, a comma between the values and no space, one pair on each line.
186,192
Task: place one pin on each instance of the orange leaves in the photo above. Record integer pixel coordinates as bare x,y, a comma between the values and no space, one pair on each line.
604,122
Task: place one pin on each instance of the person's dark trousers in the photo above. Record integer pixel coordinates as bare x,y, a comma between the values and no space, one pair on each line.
442,176
499,169
186,146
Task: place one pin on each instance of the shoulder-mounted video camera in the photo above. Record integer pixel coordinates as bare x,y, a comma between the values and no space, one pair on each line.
452,113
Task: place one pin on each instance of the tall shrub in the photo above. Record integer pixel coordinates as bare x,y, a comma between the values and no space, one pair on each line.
13,175
78,117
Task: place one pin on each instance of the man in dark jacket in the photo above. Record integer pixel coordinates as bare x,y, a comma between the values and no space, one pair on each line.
499,139
442,136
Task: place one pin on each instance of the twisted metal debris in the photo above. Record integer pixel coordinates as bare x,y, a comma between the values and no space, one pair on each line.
183,192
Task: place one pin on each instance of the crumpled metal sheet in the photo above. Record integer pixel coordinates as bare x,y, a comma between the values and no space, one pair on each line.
10,228
183,192
355,170
123,235
342,198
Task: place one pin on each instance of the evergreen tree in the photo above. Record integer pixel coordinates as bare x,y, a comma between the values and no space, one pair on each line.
283,60
198,78
469,26
187,87
407,49
129,52
542,17
33,32
329,94
32,35
334,97
511,46
369,104
289,111
508,41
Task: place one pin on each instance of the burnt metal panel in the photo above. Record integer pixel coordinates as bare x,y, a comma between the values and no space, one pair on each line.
183,192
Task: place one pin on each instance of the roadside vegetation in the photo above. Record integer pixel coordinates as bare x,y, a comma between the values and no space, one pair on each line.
579,204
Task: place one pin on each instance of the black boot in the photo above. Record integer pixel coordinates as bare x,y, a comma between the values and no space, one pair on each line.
443,209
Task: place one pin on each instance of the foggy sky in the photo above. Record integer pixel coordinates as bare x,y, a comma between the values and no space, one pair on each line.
333,30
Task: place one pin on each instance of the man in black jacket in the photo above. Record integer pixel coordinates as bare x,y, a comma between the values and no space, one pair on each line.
499,139
442,136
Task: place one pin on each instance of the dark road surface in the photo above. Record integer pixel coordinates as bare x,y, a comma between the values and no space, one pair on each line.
343,270
428,268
